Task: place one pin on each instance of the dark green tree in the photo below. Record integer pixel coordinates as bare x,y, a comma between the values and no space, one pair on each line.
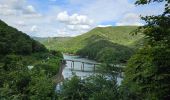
148,73
92,88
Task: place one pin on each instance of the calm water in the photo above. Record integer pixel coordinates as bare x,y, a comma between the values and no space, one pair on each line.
88,69
66,71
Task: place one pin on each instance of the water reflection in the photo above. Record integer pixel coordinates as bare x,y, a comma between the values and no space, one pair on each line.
88,69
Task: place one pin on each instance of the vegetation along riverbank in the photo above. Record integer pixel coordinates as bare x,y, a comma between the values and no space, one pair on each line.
32,63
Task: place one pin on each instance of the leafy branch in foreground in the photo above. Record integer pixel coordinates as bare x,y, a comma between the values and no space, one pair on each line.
148,71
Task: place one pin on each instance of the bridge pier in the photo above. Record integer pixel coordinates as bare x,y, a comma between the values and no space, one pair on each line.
72,65
82,66
94,67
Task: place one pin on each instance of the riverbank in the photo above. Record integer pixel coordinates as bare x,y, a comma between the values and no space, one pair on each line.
65,70
59,76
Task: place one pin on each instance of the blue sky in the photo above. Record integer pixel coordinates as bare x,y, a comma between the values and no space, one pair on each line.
51,18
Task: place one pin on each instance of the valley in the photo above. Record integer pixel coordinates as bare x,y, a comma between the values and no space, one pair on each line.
99,43
84,50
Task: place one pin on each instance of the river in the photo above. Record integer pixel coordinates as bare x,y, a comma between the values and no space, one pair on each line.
88,69
66,71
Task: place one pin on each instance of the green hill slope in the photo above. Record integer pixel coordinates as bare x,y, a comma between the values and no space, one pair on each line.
26,66
13,41
118,34
55,43
106,51
100,41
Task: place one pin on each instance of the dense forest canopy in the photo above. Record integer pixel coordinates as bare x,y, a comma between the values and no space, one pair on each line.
27,68
148,72
106,51
17,42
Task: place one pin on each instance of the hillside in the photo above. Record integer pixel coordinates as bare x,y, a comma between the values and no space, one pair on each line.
26,66
16,42
118,34
93,43
40,39
106,51
55,43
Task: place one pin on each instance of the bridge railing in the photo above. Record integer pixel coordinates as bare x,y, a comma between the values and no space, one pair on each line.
121,69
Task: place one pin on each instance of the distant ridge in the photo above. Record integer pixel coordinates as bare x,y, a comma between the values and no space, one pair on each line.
115,34
117,40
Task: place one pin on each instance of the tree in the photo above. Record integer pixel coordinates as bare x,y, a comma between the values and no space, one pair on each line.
96,87
148,73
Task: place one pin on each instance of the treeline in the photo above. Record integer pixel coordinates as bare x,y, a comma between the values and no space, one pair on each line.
27,68
103,44
16,42
147,74
105,51
114,34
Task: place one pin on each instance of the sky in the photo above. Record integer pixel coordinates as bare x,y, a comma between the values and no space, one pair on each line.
59,18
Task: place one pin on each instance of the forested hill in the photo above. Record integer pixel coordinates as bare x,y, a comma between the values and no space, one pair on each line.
27,68
117,34
107,44
13,41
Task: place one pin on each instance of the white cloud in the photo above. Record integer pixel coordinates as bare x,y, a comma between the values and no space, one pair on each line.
5,10
3,6
34,28
14,4
78,27
106,10
63,17
74,19
29,10
130,19
104,25
33,16
75,22
20,23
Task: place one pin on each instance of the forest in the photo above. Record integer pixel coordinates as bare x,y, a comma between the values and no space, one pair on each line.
147,72
27,67
99,43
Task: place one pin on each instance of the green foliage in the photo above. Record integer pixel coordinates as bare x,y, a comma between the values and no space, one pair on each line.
18,81
148,71
27,68
118,34
13,41
105,51
54,43
91,88
115,55
99,44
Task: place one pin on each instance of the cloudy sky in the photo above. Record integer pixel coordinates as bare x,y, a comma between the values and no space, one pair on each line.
49,18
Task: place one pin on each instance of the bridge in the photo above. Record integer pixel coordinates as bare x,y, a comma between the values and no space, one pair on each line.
82,64
118,69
